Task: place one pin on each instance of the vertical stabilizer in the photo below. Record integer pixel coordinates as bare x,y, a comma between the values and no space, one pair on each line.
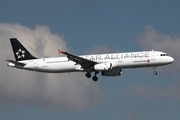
20,52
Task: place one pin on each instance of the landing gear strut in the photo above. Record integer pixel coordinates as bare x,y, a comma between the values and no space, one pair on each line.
95,78
155,73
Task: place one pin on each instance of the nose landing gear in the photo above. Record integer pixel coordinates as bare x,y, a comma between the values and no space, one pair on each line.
155,73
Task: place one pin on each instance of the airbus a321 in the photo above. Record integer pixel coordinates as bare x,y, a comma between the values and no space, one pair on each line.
107,64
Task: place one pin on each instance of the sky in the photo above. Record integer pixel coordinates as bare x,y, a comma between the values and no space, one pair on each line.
85,27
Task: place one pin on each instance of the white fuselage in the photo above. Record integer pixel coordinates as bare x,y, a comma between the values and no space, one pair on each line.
118,60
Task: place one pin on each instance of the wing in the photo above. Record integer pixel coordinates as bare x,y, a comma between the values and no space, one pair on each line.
85,63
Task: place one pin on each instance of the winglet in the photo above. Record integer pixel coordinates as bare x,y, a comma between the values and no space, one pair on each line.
59,51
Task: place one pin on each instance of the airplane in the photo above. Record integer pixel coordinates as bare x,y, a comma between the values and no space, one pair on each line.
108,64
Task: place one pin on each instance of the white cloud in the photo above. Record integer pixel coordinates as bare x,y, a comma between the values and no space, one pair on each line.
62,91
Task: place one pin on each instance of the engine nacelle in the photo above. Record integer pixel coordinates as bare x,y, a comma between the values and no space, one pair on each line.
113,72
104,66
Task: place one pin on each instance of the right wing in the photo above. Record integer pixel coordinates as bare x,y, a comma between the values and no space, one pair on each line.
85,63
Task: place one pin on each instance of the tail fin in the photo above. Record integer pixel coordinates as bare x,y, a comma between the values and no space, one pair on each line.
20,52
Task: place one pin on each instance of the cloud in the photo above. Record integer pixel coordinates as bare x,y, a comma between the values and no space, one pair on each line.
71,91
150,39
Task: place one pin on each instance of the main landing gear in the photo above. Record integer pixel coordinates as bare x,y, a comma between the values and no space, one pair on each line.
155,73
88,75
94,78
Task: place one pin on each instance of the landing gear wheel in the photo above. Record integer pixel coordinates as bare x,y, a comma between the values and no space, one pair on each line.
94,78
155,73
154,68
88,75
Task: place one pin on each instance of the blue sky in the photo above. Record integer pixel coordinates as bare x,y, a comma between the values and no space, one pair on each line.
90,26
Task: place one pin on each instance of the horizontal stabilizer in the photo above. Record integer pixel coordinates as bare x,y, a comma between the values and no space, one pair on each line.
16,63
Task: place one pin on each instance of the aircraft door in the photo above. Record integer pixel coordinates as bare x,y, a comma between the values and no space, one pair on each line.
153,56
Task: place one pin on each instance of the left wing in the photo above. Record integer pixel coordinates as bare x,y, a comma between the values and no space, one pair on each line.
85,63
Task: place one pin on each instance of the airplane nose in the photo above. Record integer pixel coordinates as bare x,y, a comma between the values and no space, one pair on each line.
171,59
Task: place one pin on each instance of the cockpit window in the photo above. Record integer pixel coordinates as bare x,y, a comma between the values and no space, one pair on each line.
163,54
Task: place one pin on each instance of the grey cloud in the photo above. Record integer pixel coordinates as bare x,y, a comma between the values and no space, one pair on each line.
61,91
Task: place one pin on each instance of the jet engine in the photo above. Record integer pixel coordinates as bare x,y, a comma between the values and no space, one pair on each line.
113,72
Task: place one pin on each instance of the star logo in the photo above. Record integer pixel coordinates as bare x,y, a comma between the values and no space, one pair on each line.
20,53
